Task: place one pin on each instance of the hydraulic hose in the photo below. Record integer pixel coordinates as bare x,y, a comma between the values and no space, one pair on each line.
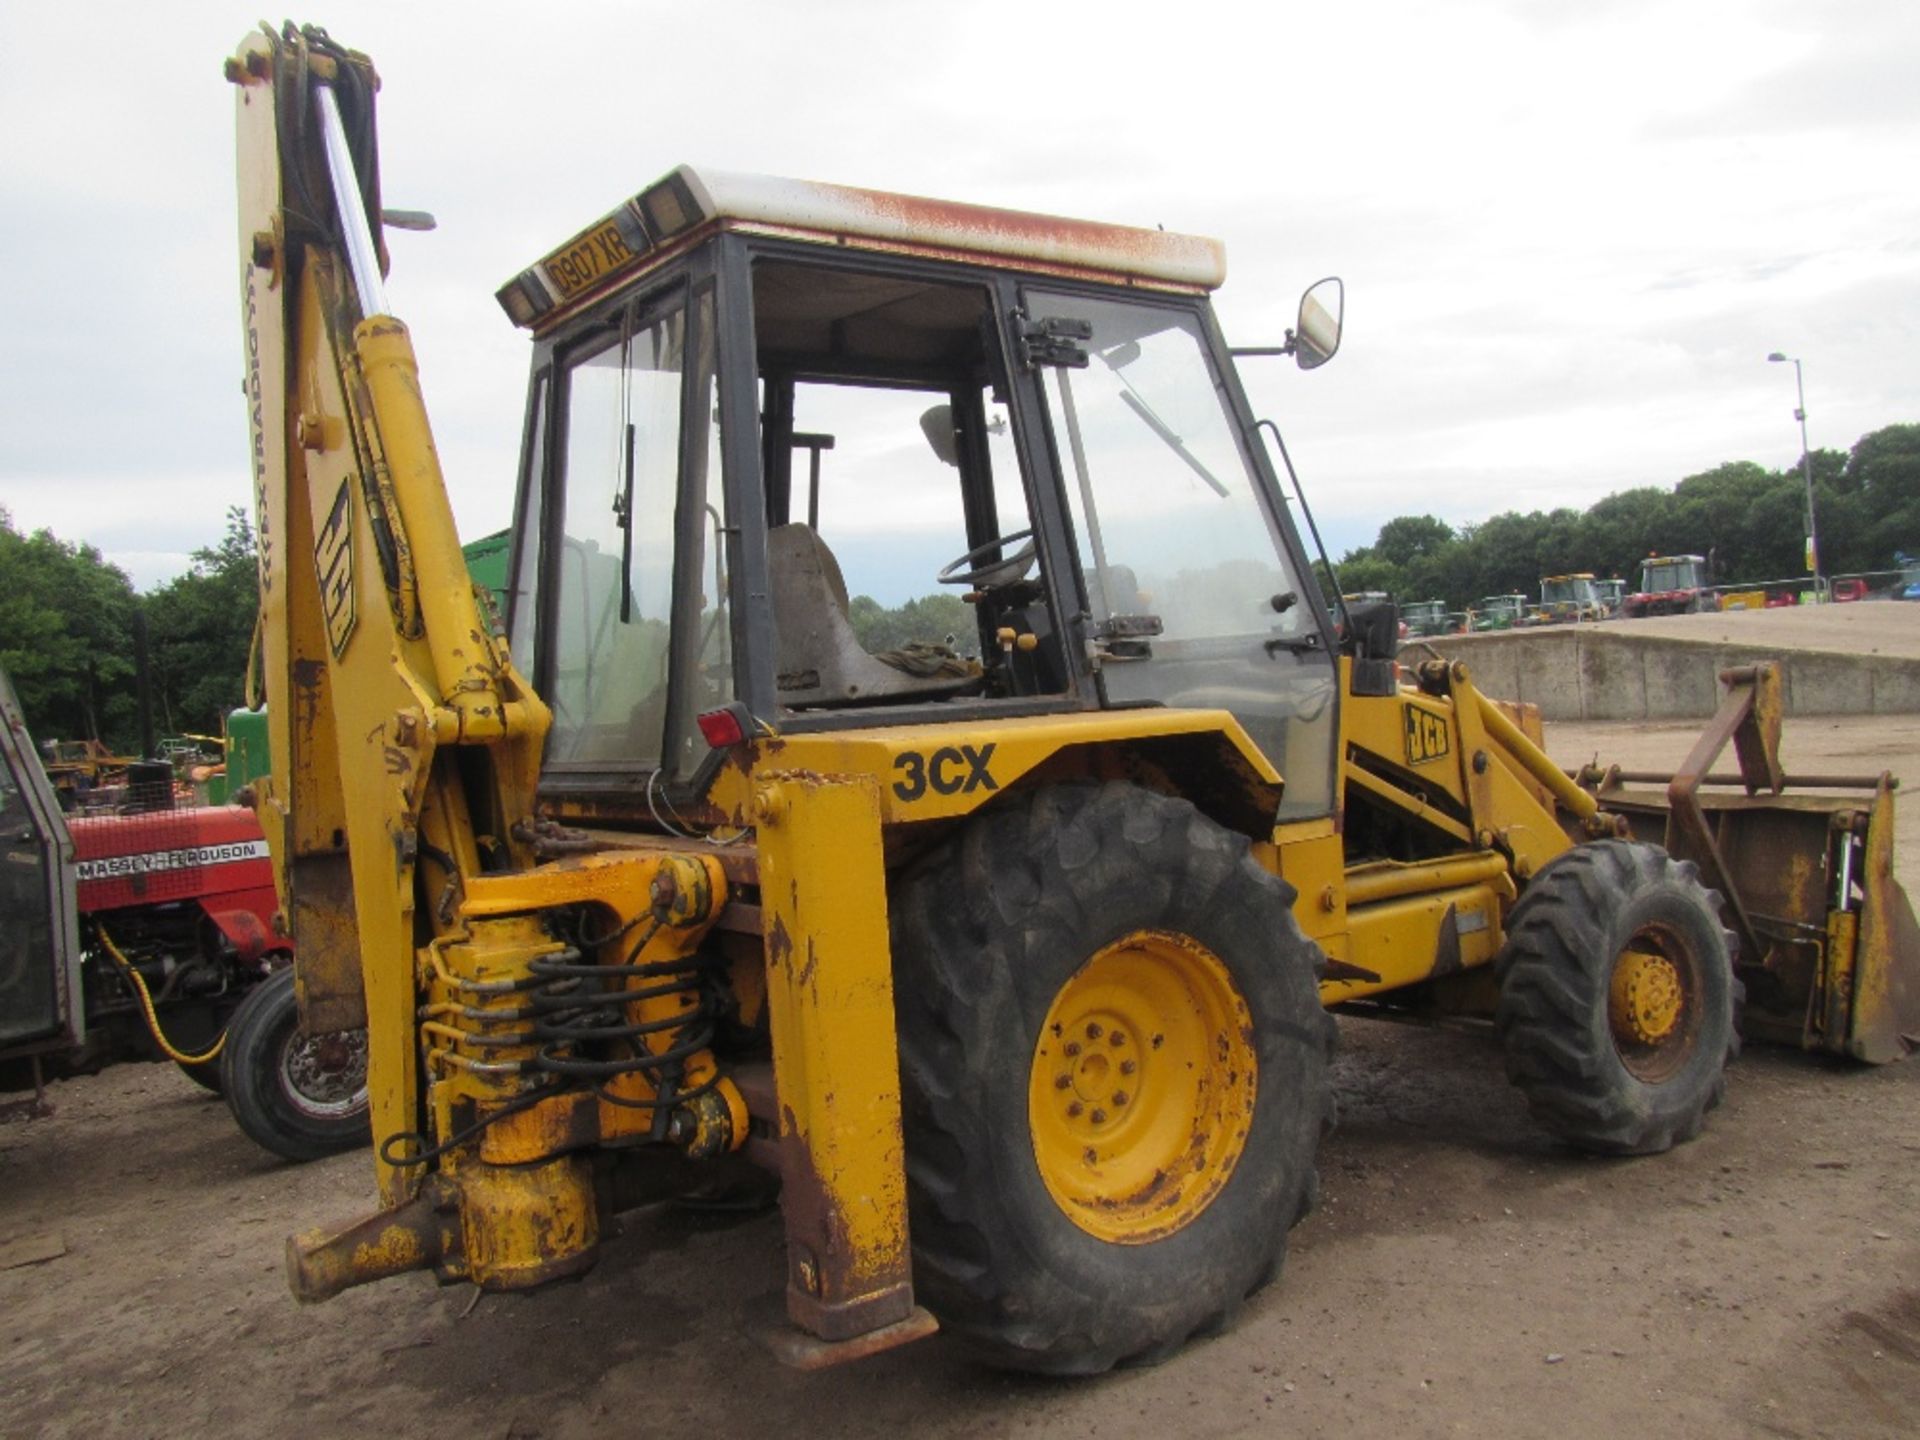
146,1008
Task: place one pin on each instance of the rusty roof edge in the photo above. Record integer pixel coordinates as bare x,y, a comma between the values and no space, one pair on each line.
979,229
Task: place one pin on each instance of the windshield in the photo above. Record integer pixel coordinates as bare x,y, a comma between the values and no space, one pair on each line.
1670,575
1178,531
1192,594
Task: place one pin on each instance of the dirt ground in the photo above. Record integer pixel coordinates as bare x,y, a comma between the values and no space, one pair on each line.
1873,627
1464,1275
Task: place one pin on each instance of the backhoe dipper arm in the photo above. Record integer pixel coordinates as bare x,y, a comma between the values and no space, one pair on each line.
406,750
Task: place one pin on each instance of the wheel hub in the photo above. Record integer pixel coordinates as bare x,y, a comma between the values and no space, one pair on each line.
325,1077
1142,1087
1097,1074
1647,997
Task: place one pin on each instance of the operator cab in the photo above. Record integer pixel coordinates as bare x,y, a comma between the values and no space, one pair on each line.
831,459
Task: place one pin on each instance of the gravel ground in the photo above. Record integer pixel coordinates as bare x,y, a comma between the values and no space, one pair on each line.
1869,627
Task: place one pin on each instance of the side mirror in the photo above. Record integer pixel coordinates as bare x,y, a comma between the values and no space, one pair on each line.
1316,335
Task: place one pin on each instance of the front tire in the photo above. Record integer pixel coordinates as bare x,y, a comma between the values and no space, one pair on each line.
290,1095
1617,998
1114,1076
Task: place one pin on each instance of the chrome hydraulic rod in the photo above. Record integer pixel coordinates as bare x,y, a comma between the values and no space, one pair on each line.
356,232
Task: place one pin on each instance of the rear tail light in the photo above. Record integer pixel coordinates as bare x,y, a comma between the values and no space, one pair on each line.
726,727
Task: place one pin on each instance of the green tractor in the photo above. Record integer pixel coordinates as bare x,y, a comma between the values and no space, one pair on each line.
1428,617
1497,612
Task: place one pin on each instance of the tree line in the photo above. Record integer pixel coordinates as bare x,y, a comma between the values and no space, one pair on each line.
1749,521
68,623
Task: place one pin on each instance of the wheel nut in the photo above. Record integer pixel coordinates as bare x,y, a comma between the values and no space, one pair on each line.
1127,1067
1062,1082
1099,1117
1074,1109
1119,1097
1073,1048
1116,1039
1093,1030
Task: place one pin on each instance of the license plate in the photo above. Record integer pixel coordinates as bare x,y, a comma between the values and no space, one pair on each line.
583,262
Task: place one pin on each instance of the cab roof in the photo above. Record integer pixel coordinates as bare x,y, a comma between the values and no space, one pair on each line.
687,201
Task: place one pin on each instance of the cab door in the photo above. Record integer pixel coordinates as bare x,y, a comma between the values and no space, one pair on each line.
1197,594
39,946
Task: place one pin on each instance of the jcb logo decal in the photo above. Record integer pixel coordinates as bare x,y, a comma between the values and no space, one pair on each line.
1426,736
949,770
333,559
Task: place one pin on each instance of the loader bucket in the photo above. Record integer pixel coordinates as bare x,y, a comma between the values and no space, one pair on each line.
1828,946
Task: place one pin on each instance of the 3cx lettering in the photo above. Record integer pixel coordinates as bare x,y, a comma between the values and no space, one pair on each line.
950,770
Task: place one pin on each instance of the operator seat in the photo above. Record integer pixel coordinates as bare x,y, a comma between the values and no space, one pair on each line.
818,660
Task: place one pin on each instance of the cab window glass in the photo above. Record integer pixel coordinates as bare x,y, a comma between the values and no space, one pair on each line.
523,593
620,459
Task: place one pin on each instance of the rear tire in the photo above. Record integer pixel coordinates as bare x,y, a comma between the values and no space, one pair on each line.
1069,1240
1617,998
282,1094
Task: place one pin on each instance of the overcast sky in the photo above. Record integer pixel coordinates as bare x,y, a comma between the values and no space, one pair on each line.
1570,234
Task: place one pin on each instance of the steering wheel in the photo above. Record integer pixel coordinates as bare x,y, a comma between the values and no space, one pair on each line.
1000,572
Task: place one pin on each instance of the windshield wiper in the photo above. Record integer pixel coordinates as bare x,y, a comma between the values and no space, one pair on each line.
1173,442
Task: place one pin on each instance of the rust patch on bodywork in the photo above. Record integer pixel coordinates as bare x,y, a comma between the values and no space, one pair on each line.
779,944
830,1290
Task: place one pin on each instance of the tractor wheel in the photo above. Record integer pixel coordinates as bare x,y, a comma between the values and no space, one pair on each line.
1617,998
299,1098
1113,1067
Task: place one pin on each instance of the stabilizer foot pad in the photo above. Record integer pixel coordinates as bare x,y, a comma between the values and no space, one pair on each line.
801,1351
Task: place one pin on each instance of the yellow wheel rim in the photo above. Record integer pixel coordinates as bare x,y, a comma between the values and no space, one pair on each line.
1142,1087
1650,1006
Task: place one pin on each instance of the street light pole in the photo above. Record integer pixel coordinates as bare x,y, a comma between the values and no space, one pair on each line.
1806,467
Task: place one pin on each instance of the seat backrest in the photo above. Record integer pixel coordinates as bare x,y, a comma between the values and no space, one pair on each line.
799,560
818,659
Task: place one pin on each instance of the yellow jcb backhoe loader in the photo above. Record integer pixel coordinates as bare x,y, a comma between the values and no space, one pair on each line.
1009,950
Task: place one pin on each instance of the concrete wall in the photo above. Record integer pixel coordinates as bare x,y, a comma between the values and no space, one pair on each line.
1607,672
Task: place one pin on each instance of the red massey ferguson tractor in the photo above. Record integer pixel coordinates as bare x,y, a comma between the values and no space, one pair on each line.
145,932
1670,585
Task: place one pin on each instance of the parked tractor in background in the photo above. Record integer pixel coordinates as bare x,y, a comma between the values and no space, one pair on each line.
1567,600
146,932
1611,593
1497,612
1429,617
1670,585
